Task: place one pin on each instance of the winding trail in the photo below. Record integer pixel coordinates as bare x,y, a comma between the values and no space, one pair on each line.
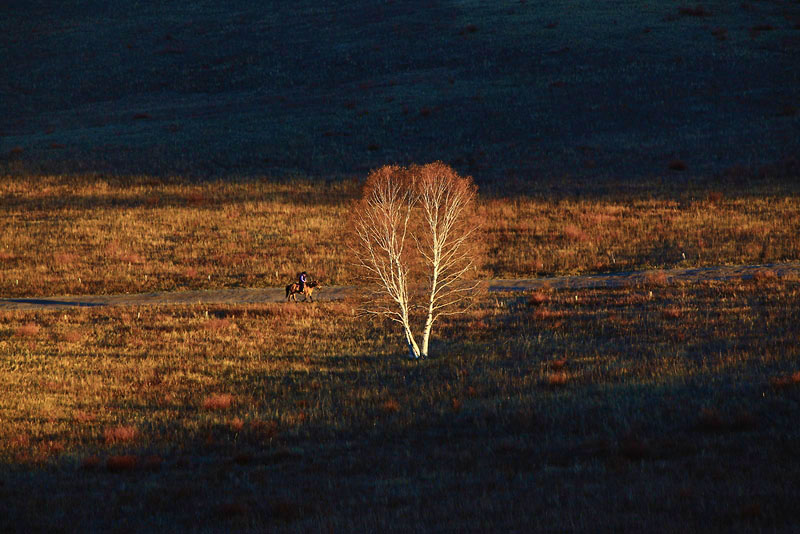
332,293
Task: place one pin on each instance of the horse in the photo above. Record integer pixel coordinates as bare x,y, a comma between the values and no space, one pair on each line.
293,289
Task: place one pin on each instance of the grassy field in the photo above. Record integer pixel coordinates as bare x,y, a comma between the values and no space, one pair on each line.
190,145
651,408
88,235
503,90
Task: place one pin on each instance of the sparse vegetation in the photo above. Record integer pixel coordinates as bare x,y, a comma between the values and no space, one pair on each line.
209,148
299,418
91,236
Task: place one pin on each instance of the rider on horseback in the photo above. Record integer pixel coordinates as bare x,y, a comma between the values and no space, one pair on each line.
302,280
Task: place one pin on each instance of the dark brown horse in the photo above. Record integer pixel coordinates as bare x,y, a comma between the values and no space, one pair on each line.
293,289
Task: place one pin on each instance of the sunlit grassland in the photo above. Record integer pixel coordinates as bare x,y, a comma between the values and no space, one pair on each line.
84,235
652,407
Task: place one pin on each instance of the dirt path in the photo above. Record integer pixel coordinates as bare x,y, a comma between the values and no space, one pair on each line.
272,294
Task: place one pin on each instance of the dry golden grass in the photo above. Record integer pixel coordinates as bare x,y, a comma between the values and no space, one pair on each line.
84,235
302,418
119,434
325,418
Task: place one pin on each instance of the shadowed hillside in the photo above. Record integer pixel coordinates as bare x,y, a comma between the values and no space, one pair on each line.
518,90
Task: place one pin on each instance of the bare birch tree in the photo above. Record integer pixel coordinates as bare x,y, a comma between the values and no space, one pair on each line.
382,220
445,240
414,242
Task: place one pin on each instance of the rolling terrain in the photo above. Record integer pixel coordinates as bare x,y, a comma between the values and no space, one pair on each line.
166,167
526,94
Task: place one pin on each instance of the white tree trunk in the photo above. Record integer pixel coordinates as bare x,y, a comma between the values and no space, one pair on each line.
426,331
413,348
426,335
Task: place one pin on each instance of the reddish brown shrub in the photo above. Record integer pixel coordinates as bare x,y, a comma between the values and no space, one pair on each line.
217,324
219,401
119,434
537,298
27,330
73,336
573,233
236,424
121,463
785,381
656,278
559,378
390,406
20,441
83,417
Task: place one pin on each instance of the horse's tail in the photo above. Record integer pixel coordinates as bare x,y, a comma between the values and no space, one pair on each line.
288,290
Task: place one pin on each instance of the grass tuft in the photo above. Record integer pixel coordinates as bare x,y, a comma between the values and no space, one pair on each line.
782,382
119,434
390,406
656,279
27,330
218,401
559,378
